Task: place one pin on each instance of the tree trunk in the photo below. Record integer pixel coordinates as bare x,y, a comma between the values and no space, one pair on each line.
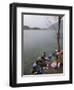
58,34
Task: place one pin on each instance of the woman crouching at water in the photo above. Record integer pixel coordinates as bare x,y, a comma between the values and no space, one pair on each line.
37,68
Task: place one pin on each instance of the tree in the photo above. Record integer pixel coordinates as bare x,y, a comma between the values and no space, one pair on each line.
58,33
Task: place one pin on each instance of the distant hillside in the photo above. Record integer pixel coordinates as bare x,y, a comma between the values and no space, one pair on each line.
52,27
32,28
55,26
26,27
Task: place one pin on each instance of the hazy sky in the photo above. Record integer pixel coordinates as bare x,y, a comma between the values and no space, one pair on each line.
39,20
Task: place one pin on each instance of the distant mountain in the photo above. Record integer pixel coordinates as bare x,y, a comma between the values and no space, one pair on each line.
55,26
36,28
52,27
26,27
33,28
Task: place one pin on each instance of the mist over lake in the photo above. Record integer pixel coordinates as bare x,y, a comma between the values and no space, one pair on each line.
34,43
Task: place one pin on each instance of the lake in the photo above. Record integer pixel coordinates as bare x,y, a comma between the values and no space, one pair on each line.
34,43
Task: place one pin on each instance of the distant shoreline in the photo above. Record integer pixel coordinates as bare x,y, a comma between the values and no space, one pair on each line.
37,29
34,28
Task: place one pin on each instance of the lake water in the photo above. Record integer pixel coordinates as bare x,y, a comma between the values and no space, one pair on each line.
34,43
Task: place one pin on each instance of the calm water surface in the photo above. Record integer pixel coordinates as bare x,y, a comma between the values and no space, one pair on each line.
34,43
